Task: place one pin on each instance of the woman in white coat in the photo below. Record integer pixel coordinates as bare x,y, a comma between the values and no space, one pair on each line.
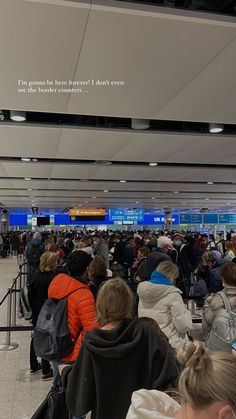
162,301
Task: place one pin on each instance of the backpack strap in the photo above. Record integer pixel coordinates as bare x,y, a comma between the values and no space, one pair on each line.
225,300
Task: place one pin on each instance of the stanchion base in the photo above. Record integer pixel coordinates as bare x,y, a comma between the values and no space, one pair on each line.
4,347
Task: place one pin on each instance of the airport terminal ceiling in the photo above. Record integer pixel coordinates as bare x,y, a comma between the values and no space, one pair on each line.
83,148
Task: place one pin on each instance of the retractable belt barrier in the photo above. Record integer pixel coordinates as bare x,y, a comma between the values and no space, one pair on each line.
11,296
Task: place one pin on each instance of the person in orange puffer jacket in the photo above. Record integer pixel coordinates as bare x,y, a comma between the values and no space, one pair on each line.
81,311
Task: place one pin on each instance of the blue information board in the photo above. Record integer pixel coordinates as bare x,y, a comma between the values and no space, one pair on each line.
18,220
158,219
191,218
227,218
134,215
210,218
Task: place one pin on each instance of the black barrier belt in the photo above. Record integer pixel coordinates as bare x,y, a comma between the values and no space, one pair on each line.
10,289
16,328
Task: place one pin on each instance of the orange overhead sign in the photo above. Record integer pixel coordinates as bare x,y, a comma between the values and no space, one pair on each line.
87,212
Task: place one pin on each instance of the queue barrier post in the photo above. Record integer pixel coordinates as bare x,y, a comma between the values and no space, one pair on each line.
8,346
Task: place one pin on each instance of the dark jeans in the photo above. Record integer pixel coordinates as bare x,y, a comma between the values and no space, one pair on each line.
46,367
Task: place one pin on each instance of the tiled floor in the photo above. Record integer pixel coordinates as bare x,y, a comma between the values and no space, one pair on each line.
20,393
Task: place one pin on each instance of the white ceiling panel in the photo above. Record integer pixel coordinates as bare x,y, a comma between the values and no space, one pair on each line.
42,42
211,94
92,143
75,143
29,140
147,50
27,169
180,147
74,171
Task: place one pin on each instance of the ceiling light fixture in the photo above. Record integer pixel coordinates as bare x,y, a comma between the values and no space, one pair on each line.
94,197
153,164
216,128
210,183
26,159
140,123
27,178
207,199
123,181
176,192
153,197
18,116
105,190
30,189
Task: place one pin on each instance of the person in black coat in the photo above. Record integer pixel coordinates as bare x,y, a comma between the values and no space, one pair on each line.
125,355
38,294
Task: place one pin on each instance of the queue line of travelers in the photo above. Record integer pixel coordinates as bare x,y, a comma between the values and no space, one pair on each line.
106,331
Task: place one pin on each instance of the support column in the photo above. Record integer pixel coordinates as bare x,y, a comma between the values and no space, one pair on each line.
4,221
204,210
168,220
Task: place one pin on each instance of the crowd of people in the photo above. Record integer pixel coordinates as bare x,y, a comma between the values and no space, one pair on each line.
126,293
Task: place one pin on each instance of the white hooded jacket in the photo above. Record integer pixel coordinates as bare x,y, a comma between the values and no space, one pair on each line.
152,404
164,304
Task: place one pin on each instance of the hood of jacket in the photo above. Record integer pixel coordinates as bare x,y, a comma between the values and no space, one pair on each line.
151,292
117,342
152,404
62,285
35,242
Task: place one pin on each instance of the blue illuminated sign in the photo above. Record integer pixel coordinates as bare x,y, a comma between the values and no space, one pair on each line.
227,218
158,219
210,218
18,220
134,215
191,218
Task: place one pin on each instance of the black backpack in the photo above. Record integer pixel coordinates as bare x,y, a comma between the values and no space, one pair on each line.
52,338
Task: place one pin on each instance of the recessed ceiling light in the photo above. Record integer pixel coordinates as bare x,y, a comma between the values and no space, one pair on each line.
153,197
27,178
31,196
122,181
216,128
26,159
94,197
34,160
153,164
140,123
105,190
103,162
176,192
210,183
137,202
207,199
30,189
18,116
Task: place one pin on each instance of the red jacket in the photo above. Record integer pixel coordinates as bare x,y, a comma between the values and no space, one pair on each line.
81,312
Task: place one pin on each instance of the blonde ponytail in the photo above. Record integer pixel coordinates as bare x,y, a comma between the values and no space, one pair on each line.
208,376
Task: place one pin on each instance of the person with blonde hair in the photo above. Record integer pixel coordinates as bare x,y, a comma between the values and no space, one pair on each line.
230,253
124,355
162,301
38,294
207,385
